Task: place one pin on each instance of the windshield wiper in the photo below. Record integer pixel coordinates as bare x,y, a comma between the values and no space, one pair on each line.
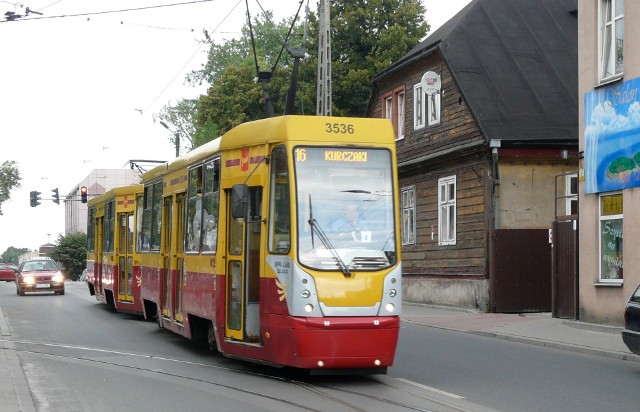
315,228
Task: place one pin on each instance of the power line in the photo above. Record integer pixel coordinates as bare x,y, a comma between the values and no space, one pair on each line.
96,13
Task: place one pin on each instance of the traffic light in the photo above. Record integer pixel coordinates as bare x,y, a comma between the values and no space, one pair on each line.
83,194
35,198
56,196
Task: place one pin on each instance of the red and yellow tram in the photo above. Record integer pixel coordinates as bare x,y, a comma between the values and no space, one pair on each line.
113,260
277,243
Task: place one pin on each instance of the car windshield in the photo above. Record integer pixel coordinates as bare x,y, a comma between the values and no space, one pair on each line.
39,266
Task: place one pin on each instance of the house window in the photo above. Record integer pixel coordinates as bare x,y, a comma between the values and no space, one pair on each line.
611,28
409,216
434,109
394,109
419,111
571,194
611,263
447,210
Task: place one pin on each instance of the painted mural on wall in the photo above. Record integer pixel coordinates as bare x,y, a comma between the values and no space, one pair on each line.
612,137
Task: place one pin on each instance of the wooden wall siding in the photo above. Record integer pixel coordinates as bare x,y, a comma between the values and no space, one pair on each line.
456,126
468,256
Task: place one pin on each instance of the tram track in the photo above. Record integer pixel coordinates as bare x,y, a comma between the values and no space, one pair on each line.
326,394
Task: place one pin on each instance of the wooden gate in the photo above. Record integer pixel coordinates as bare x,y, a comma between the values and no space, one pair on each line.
521,271
565,269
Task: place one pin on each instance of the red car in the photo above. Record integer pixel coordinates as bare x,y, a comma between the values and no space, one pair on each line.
39,274
7,273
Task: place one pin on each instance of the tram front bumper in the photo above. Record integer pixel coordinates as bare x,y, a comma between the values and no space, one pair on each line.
335,342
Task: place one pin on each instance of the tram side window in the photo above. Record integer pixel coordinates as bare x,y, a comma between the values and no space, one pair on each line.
108,227
156,220
194,210
151,217
146,219
280,213
91,230
211,203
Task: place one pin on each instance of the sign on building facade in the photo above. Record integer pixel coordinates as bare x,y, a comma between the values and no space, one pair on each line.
612,137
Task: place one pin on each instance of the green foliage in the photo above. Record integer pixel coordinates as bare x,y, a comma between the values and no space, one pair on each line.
12,254
71,252
9,180
179,119
367,37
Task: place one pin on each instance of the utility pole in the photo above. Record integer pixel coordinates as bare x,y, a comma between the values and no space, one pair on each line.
323,107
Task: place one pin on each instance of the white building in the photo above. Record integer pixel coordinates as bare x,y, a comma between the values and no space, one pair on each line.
97,182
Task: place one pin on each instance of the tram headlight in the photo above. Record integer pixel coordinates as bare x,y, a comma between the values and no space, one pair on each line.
308,308
305,294
393,293
390,307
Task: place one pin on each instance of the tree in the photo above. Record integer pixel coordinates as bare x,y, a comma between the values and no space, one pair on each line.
12,254
71,252
9,180
367,37
180,119
234,97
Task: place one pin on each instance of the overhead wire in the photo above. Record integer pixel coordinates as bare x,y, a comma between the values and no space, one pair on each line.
191,58
97,13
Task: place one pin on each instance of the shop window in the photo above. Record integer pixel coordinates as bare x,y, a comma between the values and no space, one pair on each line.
611,238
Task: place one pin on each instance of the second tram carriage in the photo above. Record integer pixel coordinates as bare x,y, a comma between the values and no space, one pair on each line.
249,242
113,261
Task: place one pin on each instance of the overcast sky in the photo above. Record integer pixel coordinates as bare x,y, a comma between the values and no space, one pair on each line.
81,82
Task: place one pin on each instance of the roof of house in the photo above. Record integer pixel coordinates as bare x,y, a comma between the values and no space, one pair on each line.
516,65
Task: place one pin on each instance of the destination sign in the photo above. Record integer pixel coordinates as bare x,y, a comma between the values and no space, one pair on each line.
333,155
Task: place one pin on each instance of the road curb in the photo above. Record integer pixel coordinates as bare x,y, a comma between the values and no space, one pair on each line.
539,342
4,327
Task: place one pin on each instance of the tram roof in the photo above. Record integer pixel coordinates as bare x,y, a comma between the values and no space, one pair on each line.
116,191
198,154
278,129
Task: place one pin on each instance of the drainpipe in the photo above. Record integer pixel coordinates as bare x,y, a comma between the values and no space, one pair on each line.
494,144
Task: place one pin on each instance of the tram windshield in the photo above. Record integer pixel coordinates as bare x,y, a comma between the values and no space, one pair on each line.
345,208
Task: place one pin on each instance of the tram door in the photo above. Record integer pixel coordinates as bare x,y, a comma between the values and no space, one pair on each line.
167,216
125,257
179,253
243,271
97,280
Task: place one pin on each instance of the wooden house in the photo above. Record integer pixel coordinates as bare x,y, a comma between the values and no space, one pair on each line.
487,161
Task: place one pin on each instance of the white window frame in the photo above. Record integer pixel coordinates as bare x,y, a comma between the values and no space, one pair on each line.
408,199
433,112
388,106
419,109
401,113
447,210
571,195
394,109
615,261
610,26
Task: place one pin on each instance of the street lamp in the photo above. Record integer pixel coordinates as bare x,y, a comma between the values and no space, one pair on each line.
176,134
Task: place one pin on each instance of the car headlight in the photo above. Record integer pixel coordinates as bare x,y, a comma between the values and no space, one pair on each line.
58,278
29,280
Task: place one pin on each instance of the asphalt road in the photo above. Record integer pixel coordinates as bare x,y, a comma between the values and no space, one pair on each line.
78,355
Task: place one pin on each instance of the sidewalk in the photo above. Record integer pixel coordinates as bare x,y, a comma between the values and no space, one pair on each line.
14,391
531,328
